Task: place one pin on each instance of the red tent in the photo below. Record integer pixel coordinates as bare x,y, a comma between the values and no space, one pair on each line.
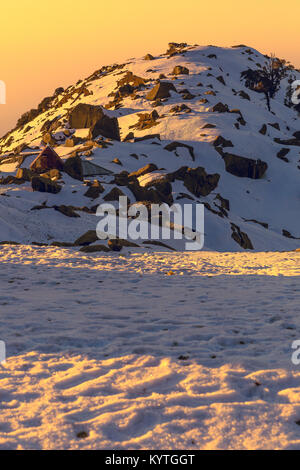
47,159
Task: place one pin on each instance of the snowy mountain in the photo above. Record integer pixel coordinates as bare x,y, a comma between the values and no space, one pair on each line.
191,125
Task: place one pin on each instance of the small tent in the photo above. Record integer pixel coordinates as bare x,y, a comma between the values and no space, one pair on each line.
91,169
47,159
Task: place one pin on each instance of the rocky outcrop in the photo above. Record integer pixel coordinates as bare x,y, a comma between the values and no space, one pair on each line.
180,70
94,118
174,145
94,190
44,185
160,91
244,167
196,180
146,120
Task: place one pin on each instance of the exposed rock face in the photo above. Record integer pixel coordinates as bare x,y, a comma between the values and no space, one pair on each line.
44,185
93,117
241,237
160,91
175,48
244,167
180,70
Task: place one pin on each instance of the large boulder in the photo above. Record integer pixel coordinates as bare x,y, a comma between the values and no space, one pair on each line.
220,108
180,70
94,118
44,185
94,190
199,183
87,238
160,91
244,167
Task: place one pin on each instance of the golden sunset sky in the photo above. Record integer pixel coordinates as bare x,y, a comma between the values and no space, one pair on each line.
46,44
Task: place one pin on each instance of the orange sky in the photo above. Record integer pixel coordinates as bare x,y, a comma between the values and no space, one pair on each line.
45,44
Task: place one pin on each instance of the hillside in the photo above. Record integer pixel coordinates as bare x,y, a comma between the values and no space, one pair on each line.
214,141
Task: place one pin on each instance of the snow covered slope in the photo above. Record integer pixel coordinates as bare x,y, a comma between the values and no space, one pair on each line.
193,96
132,357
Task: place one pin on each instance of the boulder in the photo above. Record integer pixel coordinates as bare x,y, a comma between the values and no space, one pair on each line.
220,108
180,108
94,190
244,167
199,183
282,154
144,170
160,91
148,57
220,141
263,129
116,244
24,174
180,70
93,117
44,185
94,248
87,238
146,120
113,195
